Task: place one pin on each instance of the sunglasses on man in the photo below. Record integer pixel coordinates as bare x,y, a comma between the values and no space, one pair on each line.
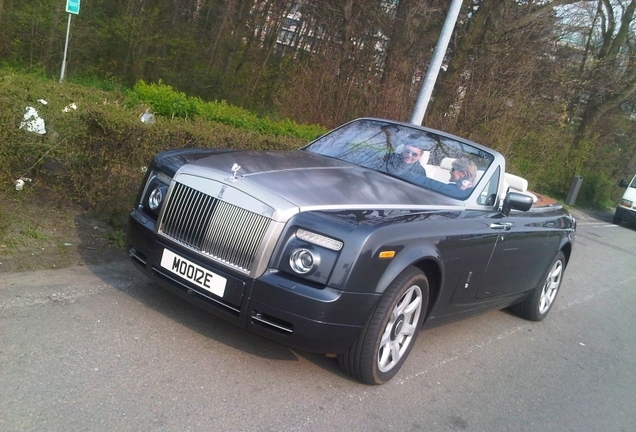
411,153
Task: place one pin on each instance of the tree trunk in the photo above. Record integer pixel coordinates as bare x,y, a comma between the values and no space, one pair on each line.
467,44
216,40
239,21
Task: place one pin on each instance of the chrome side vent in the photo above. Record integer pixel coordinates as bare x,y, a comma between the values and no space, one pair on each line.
225,232
271,323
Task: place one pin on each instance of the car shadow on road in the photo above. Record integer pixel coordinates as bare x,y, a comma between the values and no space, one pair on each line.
593,216
119,272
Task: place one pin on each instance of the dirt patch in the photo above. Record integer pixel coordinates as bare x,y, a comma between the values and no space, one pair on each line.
37,235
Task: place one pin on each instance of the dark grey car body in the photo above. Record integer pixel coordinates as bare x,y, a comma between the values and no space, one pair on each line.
240,227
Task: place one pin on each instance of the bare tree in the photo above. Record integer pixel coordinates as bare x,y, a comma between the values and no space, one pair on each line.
611,78
412,34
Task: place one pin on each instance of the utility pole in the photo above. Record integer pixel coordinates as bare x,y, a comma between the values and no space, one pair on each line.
436,63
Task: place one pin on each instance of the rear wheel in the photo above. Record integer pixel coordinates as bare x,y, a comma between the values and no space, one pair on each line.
537,306
383,345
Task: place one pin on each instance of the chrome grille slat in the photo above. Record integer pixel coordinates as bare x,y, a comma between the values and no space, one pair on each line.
215,228
169,211
190,228
240,241
219,238
225,234
190,217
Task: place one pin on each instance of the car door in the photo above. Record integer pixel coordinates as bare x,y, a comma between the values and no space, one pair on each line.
466,253
519,257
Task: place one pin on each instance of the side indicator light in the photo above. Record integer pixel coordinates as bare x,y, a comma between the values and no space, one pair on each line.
386,254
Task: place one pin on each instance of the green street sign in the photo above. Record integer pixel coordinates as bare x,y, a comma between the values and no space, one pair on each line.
72,6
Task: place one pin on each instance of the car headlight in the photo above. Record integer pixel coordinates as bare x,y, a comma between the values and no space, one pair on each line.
309,255
319,239
303,261
625,203
156,197
155,192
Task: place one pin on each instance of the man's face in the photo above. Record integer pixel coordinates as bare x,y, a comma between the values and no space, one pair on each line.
411,154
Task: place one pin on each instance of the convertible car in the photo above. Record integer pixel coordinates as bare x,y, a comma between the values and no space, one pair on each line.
353,243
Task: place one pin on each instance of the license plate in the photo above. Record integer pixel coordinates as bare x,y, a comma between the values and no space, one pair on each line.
193,273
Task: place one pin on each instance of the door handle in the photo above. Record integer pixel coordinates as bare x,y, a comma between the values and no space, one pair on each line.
502,225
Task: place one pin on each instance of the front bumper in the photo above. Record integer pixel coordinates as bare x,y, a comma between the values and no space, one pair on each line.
276,306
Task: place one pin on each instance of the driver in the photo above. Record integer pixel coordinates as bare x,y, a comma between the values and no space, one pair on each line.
406,163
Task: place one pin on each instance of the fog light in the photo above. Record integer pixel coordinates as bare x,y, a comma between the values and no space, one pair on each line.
302,261
156,198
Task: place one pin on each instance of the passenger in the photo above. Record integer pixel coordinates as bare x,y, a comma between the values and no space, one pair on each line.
463,173
462,178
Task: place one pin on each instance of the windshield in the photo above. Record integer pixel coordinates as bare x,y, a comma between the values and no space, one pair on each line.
421,157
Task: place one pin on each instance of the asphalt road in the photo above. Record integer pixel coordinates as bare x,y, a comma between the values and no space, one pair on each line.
101,349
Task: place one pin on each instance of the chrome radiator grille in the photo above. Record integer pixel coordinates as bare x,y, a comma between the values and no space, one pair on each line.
220,230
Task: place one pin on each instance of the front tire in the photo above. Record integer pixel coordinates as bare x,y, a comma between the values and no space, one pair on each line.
385,342
616,220
537,306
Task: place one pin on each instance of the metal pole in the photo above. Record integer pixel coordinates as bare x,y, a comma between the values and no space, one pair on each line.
436,63
68,32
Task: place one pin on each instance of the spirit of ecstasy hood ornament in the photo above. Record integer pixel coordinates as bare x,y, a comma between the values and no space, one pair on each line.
235,169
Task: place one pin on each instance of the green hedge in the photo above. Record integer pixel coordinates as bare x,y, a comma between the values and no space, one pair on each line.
163,100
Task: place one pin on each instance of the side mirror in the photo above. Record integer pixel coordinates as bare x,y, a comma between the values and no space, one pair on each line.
623,183
516,201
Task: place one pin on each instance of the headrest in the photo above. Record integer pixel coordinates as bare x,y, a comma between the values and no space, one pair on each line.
515,182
